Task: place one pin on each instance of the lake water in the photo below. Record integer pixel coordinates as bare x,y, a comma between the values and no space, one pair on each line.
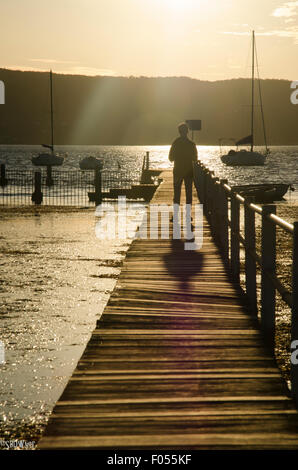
281,165
56,276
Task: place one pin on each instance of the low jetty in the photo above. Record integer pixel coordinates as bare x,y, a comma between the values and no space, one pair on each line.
177,360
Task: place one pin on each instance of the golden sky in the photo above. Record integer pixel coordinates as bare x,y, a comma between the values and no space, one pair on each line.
204,39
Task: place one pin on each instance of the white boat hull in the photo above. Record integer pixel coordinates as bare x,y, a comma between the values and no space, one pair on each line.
243,158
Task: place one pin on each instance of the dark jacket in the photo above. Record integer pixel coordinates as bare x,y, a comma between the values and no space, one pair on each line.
183,152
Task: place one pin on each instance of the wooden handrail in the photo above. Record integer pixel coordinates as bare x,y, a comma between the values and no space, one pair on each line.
218,199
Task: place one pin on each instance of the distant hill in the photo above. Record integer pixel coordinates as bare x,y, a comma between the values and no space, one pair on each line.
139,111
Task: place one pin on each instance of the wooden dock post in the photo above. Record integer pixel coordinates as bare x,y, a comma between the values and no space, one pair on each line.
49,178
203,191
97,184
201,182
235,242
224,227
215,209
37,195
207,195
268,264
146,176
250,249
294,325
3,179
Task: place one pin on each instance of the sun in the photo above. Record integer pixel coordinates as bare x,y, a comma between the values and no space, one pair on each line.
179,5
176,4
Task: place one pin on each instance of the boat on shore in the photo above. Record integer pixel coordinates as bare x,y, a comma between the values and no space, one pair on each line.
267,192
244,157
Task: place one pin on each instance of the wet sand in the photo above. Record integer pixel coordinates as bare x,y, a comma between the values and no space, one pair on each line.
56,279
284,253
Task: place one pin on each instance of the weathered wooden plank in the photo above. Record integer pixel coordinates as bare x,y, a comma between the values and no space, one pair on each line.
93,389
180,334
214,441
96,362
253,372
228,401
148,425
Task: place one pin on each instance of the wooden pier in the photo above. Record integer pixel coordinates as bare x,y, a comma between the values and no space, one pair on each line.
177,361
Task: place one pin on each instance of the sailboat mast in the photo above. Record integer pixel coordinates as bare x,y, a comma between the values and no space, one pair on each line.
52,112
252,91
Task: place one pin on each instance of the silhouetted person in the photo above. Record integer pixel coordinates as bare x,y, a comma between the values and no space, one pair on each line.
183,153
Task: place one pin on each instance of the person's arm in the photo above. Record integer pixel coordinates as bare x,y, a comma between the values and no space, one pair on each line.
171,154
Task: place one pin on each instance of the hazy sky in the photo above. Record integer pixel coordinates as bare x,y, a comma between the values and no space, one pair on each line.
205,39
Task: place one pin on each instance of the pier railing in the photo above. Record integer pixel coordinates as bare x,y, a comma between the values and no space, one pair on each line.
47,186
222,209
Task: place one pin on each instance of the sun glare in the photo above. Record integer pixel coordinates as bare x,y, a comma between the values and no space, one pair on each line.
179,5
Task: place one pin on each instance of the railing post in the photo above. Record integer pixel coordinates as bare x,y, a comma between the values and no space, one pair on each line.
210,197
204,176
49,179
294,325
268,264
97,184
145,175
3,180
224,225
250,263
37,195
200,189
235,243
206,193
214,208
206,190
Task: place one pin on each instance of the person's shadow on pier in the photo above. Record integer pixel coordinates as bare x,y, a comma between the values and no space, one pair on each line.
183,264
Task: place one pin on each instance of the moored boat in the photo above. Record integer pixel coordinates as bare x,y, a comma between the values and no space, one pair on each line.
49,159
90,163
250,157
243,158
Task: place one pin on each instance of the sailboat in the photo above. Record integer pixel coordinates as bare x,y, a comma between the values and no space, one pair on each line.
245,157
49,159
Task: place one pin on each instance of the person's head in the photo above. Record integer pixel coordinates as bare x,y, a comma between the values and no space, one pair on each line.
183,129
